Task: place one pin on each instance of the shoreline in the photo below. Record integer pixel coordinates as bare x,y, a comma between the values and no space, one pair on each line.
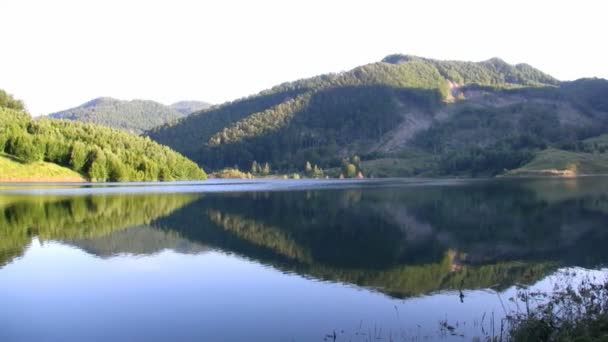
42,180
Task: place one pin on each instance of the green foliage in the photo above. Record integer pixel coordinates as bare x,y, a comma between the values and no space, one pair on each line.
407,165
78,156
259,123
351,167
3,141
563,163
317,172
96,168
493,72
187,136
350,170
254,167
589,93
134,116
308,167
483,162
323,118
265,169
25,148
313,171
232,173
100,153
567,313
118,172
332,118
7,101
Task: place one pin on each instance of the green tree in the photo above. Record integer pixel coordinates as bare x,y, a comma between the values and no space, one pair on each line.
308,168
7,101
56,152
3,140
78,156
317,171
350,170
254,167
149,168
266,169
117,171
164,174
24,148
97,165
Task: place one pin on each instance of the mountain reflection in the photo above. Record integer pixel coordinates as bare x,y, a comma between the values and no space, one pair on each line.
76,217
403,241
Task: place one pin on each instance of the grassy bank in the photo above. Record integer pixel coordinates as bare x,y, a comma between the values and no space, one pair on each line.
12,170
553,162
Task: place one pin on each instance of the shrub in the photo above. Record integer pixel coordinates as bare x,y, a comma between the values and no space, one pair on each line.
24,148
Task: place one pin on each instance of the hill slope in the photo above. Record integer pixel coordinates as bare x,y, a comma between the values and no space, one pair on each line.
401,104
134,116
468,118
95,152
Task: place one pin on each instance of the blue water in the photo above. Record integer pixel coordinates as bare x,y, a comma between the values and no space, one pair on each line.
287,260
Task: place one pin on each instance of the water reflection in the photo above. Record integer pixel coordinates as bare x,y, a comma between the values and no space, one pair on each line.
403,240
75,217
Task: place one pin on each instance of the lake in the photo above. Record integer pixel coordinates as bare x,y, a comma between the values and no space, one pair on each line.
283,260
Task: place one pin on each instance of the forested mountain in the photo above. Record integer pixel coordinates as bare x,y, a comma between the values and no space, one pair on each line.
134,116
436,117
99,153
187,107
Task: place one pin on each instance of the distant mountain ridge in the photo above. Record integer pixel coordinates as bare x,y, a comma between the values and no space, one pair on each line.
189,107
135,116
434,117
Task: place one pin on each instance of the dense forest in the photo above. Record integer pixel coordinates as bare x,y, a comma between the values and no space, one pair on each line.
99,153
134,116
460,118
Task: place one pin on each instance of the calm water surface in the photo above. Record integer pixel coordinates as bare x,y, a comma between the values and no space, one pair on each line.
289,260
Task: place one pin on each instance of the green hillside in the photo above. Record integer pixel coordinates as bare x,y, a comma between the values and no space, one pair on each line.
460,118
97,153
134,116
563,163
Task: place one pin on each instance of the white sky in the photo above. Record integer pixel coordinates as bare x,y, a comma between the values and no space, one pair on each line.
58,54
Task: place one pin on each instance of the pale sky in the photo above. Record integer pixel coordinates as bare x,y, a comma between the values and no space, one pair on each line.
59,54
